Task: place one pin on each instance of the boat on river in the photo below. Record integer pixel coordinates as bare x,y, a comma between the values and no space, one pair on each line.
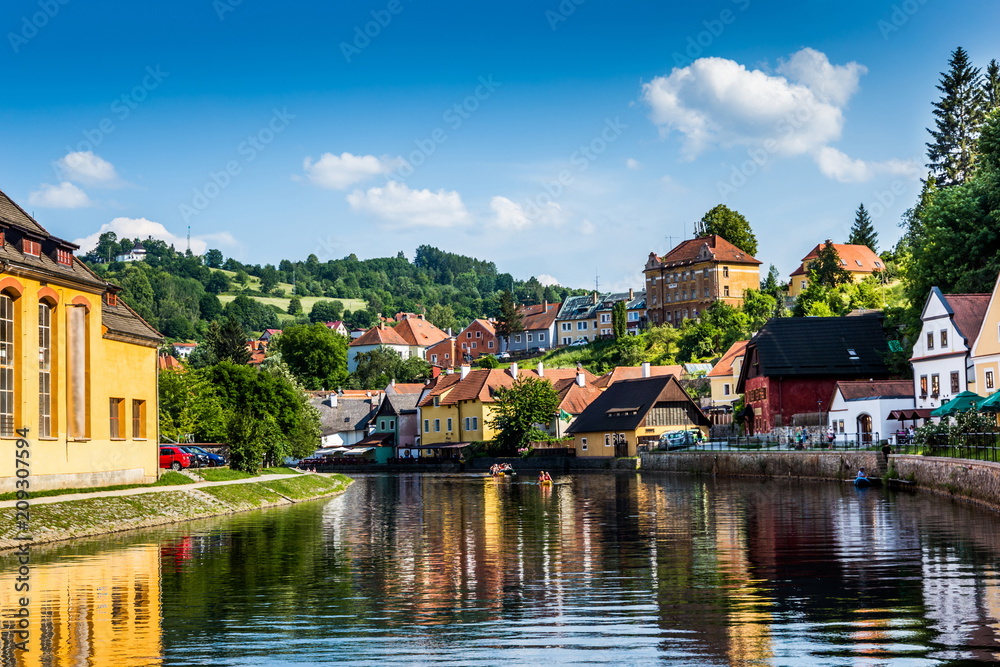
865,482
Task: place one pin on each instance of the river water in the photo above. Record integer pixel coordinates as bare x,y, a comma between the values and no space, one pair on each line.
629,569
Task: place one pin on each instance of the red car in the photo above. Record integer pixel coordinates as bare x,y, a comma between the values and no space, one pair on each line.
174,457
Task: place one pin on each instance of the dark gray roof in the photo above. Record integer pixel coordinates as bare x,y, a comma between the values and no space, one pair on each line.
623,405
13,214
578,308
849,347
350,414
397,404
124,324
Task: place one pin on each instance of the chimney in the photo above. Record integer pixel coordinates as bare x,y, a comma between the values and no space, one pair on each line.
645,369
545,306
631,294
331,400
594,298
541,370
464,370
581,380
513,370
392,382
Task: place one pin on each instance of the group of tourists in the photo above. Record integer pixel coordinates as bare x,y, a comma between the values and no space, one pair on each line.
544,478
498,469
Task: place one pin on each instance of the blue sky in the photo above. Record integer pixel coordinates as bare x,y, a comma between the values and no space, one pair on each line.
558,139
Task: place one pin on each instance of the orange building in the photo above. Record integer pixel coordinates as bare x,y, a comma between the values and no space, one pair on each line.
694,275
858,260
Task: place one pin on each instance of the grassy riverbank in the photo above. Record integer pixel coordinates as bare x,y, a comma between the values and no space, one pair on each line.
62,520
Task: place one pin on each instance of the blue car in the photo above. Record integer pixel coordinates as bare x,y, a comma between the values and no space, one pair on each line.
205,457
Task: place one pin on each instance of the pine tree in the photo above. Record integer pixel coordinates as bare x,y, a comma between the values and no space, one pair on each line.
958,115
991,86
863,232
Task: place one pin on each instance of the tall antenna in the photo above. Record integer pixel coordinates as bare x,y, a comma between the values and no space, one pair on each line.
670,241
189,239
597,283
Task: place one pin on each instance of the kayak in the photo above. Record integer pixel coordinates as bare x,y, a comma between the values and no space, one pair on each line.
864,482
545,482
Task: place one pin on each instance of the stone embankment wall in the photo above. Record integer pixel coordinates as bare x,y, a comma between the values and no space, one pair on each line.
976,481
812,465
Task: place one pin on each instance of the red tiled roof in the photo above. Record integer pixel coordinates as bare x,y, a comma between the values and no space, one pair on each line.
169,362
573,398
854,258
438,386
969,309
480,384
538,316
408,387
485,324
635,372
724,367
720,249
419,332
380,335
853,390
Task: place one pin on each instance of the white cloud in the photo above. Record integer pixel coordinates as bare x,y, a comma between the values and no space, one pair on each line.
546,280
142,228
718,102
339,172
837,165
512,216
64,195
633,164
87,168
399,205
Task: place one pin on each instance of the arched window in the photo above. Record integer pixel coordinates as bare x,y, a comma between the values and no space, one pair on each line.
44,370
7,353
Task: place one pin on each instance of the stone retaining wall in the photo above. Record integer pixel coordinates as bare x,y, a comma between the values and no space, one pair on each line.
976,481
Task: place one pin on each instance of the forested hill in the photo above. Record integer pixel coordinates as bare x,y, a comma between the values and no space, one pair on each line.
180,294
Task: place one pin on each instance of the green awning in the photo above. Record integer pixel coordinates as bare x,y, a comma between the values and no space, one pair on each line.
963,402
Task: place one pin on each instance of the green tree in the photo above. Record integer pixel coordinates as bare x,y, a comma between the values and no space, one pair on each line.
619,321
326,311
268,279
189,405
827,269
991,87
730,225
863,232
377,368
251,314
629,351
138,293
510,321
758,308
294,306
213,258
442,316
316,356
519,410
217,283
228,341
958,116
248,436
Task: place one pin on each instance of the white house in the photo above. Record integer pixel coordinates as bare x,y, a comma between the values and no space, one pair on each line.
942,353
136,254
344,421
860,409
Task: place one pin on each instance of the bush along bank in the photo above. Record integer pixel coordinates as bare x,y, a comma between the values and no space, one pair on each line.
68,519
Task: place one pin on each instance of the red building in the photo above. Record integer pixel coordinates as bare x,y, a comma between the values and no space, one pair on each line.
793,364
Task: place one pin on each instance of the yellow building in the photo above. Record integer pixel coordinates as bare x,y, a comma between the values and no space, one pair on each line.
724,375
986,349
458,408
694,275
631,413
77,367
858,260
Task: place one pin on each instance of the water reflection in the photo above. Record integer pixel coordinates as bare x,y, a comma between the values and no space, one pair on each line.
616,569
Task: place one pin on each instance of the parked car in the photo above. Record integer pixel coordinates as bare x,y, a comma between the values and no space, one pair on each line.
578,341
503,355
206,457
676,439
175,458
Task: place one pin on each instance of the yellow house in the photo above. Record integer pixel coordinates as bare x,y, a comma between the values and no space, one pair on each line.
858,260
986,348
458,408
77,368
724,375
634,413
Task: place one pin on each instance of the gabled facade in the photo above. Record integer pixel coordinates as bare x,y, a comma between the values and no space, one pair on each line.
588,317
725,374
539,322
477,339
378,336
394,426
635,313
344,421
942,353
792,364
443,354
858,260
78,367
631,413
337,327
861,410
986,349
694,275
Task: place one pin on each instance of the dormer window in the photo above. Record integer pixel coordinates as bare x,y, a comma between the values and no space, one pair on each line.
852,354
29,247
64,257
111,299
859,262
844,262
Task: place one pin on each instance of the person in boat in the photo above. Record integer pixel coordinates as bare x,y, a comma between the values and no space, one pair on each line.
544,478
862,474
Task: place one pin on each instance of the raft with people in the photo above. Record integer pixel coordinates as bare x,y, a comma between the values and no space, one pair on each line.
544,479
502,470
